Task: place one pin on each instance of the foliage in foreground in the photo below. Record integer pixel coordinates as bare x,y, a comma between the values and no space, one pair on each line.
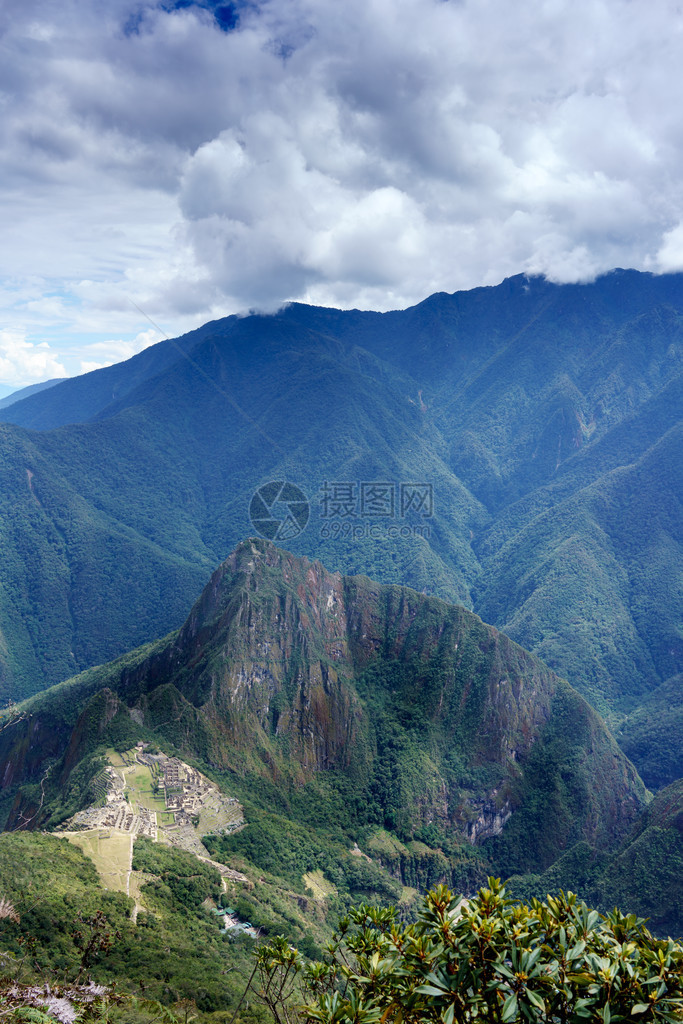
483,959
61,929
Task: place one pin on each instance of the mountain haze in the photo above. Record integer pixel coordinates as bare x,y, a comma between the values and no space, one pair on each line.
30,389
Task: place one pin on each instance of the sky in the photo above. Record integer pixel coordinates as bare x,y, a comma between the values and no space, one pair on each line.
163,164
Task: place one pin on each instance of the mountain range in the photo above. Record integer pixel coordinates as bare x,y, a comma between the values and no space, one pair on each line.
515,449
513,455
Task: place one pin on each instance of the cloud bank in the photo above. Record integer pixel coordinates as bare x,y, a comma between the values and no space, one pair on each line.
205,160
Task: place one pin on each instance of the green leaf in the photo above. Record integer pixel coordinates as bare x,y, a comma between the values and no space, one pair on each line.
535,999
509,1008
505,971
576,950
447,1015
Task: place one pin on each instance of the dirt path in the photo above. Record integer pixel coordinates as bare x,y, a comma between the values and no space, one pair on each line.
130,866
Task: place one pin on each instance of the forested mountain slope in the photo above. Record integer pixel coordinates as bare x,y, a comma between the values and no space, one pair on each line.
546,420
341,700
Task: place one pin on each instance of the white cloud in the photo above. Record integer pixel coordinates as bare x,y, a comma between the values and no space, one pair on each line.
364,153
104,353
22,363
670,255
418,145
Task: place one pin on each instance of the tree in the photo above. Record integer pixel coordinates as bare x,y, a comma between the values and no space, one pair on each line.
482,959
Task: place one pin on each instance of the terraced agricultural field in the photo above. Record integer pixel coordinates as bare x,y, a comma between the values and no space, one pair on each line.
115,758
215,815
319,885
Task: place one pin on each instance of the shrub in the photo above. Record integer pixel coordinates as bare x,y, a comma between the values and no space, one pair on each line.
482,959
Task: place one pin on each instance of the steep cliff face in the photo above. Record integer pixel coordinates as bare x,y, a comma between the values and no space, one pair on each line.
264,656
424,715
275,643
307,671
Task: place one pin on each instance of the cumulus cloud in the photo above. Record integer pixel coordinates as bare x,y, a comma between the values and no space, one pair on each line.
23,363
422,145
204,160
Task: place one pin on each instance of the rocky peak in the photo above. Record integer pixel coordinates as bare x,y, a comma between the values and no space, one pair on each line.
287,670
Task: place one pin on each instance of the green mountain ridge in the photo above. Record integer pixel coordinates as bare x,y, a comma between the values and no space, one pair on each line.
389,708
545,418
643,873
643,736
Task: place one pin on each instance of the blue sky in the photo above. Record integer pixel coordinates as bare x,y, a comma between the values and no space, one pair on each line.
199,159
